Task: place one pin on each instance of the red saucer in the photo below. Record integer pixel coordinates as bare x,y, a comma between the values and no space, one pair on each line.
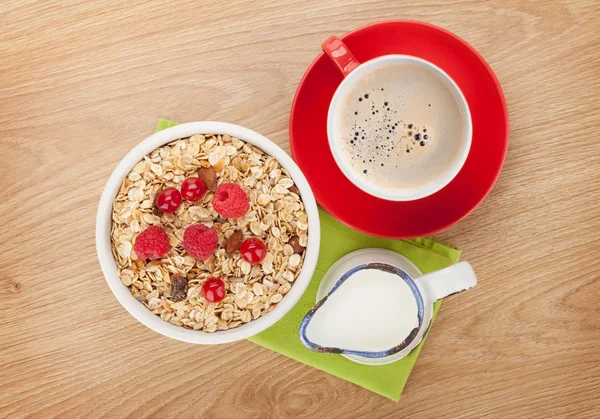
363,212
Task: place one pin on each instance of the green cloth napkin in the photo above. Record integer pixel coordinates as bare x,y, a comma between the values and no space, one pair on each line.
338,240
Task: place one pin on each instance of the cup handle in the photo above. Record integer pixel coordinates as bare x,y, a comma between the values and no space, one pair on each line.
340,54
448,281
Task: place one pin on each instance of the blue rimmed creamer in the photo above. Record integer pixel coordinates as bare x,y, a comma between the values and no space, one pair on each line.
389,281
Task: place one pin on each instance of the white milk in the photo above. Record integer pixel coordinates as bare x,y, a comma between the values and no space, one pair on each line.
371,311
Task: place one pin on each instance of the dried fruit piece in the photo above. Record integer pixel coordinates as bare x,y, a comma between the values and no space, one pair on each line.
295,243
200,241
219,166
234,242
151,243
253,250
213,290
240,164
230,200
179,286
209,176
168,200
193,188
294,189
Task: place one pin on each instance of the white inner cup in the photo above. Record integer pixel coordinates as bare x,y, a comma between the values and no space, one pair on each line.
399,128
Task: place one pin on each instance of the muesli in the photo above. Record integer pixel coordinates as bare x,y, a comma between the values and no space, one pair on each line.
209,232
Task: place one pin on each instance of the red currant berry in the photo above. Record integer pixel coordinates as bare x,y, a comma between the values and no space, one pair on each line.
253,250
193,188
168,200
213,290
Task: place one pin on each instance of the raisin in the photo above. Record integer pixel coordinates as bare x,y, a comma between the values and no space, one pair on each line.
295,243
179,286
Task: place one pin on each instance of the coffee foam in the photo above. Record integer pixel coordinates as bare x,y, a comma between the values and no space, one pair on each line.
400,126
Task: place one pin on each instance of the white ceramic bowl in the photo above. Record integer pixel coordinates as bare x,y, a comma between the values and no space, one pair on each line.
109,266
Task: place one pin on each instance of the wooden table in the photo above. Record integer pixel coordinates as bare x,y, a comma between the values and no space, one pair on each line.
82,82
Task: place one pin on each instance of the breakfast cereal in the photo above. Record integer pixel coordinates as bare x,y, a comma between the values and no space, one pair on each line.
258,255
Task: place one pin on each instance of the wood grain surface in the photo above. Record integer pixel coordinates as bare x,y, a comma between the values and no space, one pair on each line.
82,82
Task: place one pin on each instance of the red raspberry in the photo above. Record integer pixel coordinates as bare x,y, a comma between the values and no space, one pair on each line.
230,200
151,243
200,241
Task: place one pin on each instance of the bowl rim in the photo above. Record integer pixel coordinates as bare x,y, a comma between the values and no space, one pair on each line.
104,224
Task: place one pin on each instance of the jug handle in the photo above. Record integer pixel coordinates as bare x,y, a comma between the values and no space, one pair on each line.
447,281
